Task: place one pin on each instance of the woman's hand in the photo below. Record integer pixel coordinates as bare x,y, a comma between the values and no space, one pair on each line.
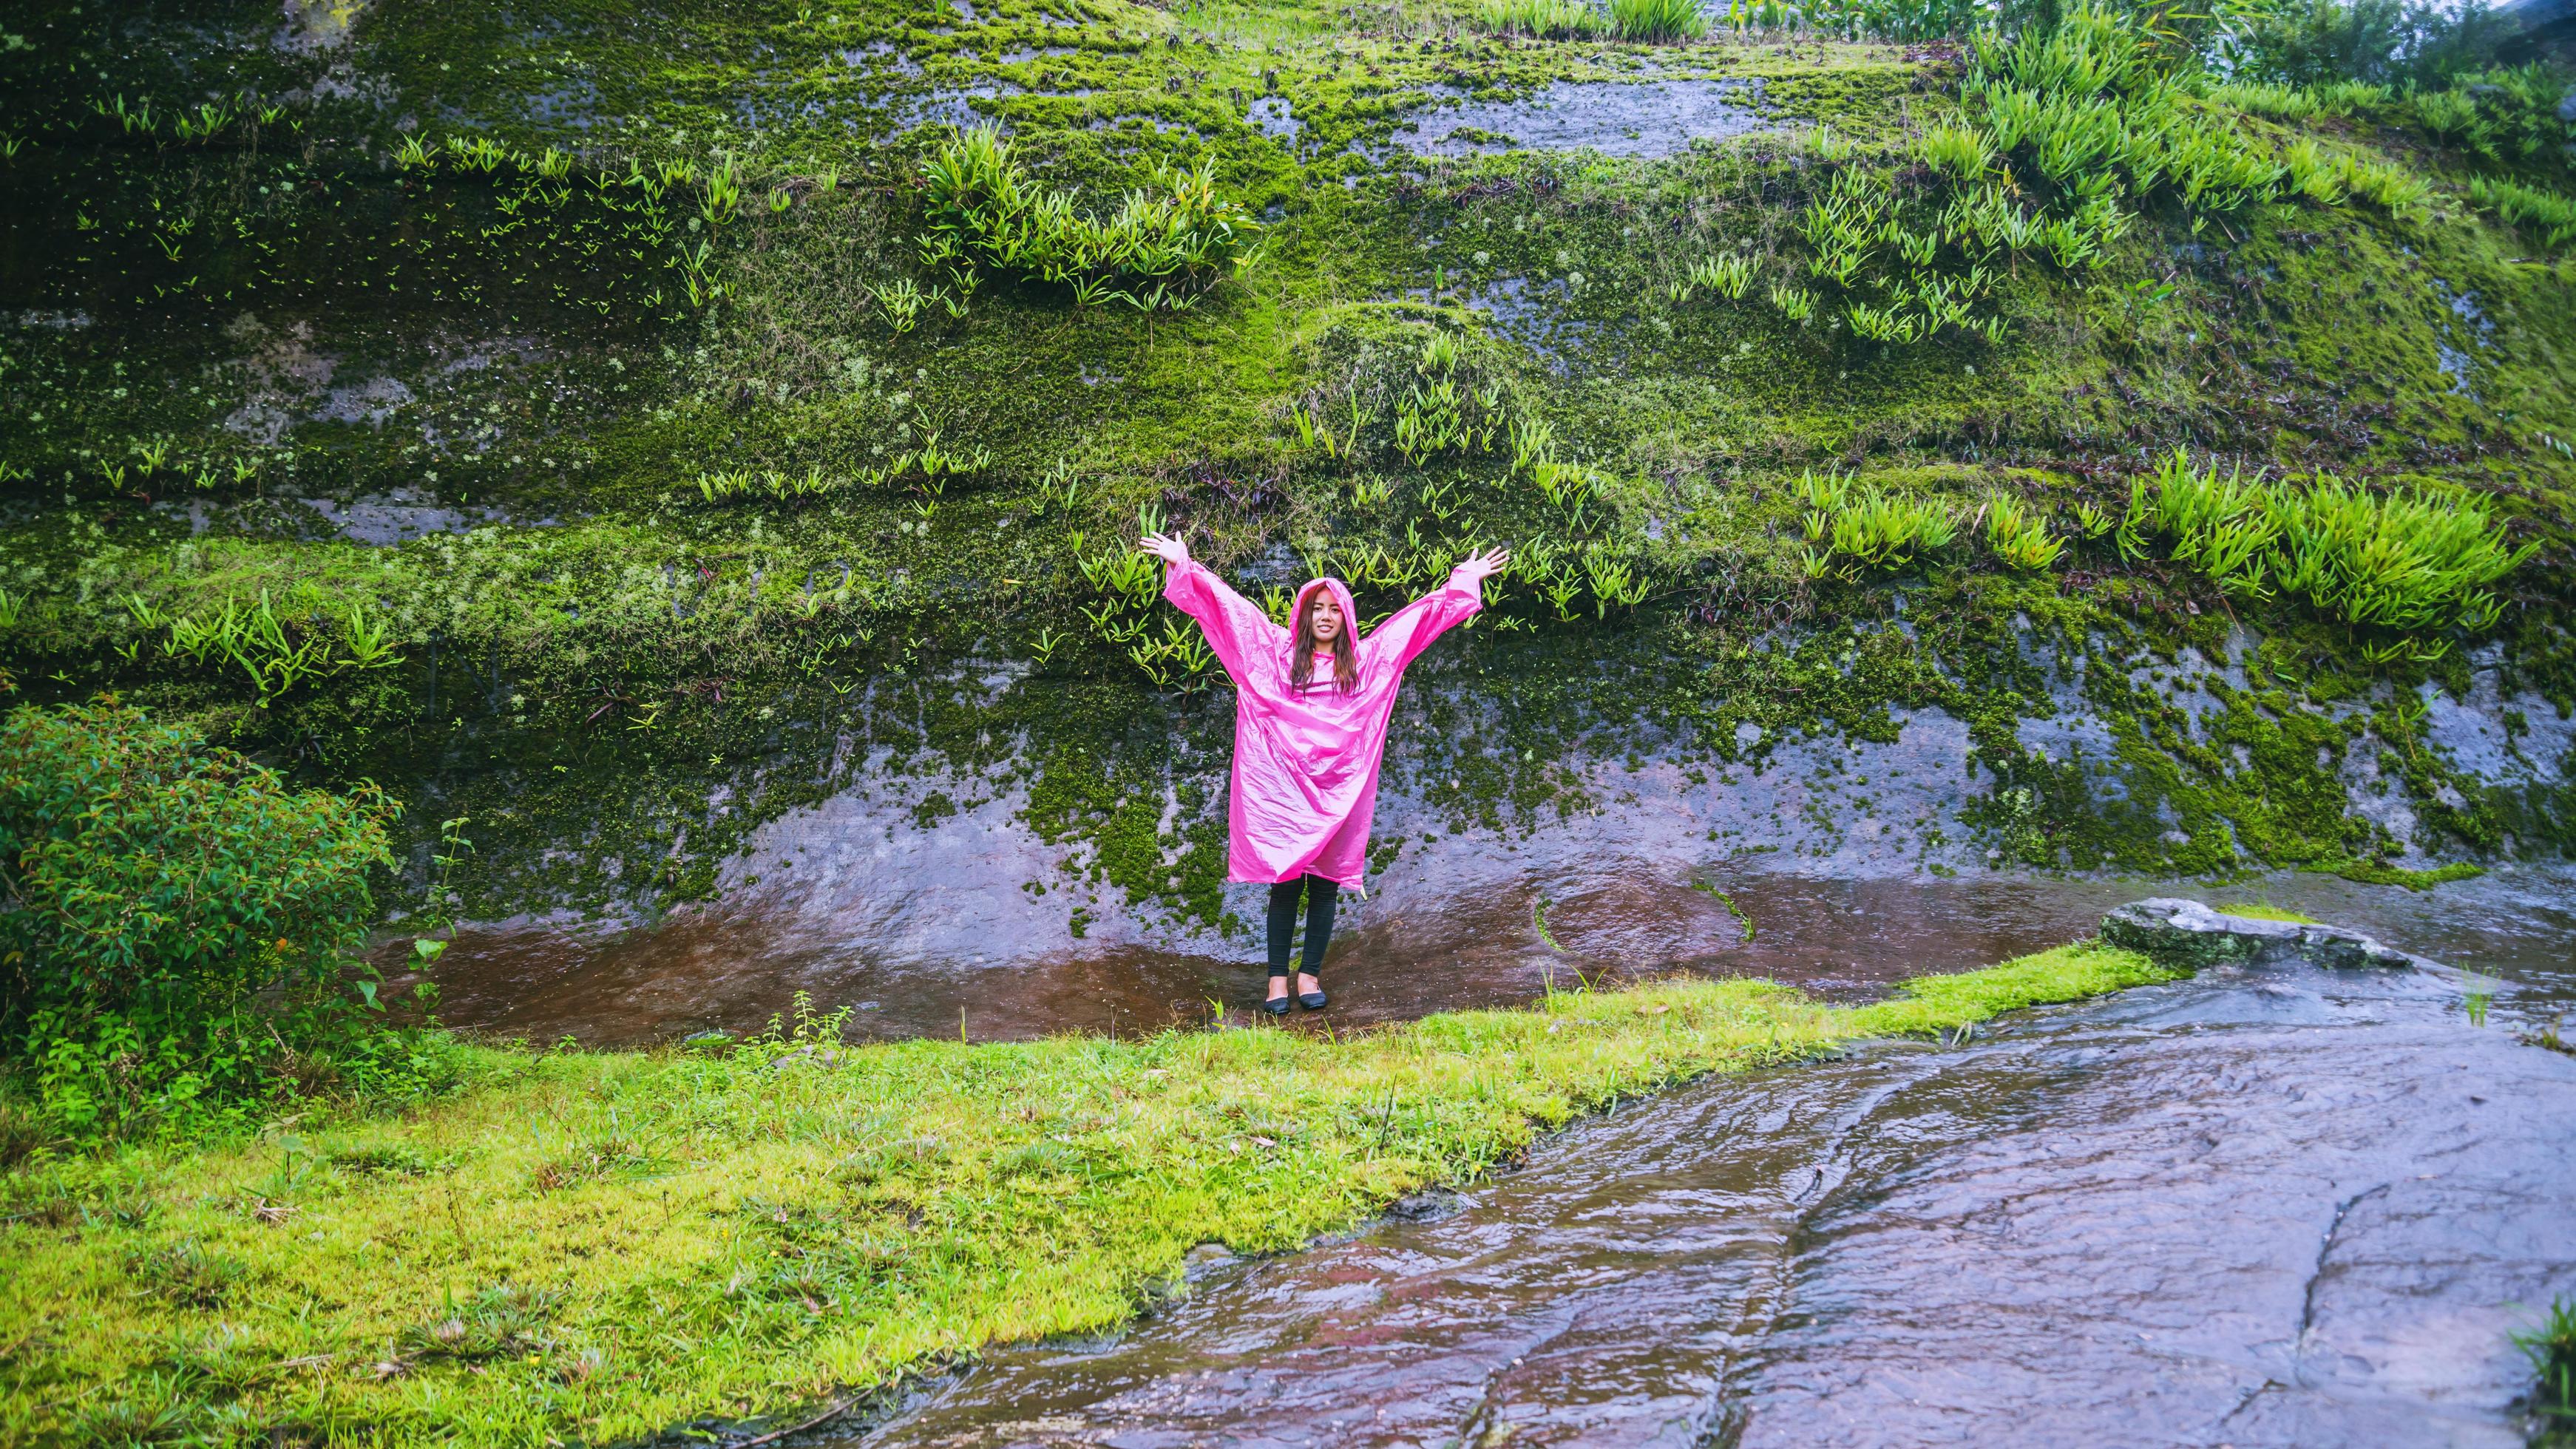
1165,546
1479,565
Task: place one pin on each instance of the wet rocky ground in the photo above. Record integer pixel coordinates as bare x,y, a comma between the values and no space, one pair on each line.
2270,1205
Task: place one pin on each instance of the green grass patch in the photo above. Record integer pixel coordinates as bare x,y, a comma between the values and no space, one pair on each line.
2380,872
595,1246
2266,911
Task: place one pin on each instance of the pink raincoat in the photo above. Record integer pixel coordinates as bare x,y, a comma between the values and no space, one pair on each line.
1306,761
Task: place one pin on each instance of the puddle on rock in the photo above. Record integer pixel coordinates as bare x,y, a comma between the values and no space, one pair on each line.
2263,1206
1616,118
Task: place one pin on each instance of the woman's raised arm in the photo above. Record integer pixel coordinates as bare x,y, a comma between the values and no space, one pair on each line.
1409,630
1235,626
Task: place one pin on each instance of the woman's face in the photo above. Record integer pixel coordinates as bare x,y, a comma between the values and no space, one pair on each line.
1324,618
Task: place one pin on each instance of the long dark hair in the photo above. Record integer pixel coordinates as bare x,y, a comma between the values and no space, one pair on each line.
1301,662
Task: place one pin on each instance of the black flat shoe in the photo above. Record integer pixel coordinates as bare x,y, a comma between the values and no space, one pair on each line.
1311,1000
1276,1006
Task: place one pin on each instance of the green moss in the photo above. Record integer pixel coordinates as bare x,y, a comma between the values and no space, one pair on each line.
2265,911
2380,872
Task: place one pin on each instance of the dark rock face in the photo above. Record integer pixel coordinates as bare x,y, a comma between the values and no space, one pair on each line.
2190,934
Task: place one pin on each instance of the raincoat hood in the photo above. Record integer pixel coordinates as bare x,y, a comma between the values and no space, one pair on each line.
1341,593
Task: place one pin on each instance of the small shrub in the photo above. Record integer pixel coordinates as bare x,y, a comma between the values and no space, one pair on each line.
180,924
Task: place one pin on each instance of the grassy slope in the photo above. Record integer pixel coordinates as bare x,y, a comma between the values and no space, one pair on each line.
616,1243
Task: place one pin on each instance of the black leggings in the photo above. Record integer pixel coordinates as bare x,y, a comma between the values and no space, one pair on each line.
1319,894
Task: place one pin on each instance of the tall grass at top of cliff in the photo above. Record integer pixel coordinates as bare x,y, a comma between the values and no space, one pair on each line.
1544,19
1657,20
1166,245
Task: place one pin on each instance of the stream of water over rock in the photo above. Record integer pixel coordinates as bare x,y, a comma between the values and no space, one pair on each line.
2265,1206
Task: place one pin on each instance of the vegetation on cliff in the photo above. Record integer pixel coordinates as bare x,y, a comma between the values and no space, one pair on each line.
568,427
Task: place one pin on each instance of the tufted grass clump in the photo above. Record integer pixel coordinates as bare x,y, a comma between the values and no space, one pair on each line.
1657,20
598,1246
1163,249
1542,19
2411,559
2391,188
1870,526
1960,152
2019,536
2543,214
2219,524
2551,1346
2263,98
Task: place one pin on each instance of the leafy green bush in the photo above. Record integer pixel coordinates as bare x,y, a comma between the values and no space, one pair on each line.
177,925
1161,251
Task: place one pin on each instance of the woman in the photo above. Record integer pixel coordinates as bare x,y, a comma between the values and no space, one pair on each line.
1311,704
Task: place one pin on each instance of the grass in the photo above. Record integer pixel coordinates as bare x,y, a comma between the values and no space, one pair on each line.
1657,20
2551,1347
2266,911
2411,560
1160,251
1871,526
597,1246
1544,19
2380,872
2543,214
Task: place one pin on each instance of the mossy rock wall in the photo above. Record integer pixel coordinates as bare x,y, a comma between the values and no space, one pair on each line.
254,352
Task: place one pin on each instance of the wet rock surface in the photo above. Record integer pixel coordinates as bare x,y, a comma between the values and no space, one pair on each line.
2269,1205
2191,934
1616,118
